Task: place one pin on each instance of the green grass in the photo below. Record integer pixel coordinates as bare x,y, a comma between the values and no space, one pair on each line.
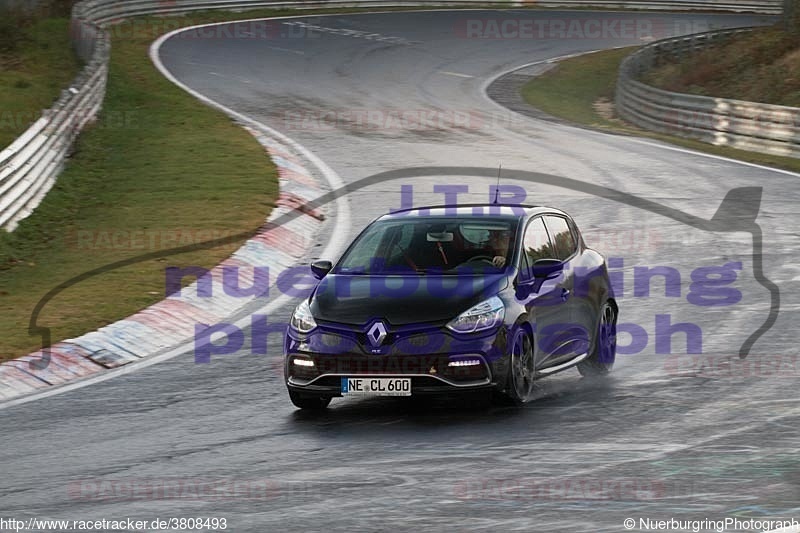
759,66
157,162
581,88
571,89
36,63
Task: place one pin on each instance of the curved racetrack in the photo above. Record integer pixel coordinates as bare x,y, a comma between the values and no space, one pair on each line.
660,438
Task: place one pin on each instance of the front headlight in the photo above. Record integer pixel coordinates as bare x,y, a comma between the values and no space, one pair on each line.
302,319
486,315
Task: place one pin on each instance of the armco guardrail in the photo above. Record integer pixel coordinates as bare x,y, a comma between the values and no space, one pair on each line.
108,10
772,129
29,166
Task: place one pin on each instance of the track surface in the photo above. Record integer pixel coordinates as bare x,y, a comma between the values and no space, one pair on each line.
722,444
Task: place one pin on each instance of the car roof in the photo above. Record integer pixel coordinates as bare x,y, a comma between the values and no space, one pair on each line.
515,211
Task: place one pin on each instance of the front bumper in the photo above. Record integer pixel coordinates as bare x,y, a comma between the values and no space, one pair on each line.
430,374
436,360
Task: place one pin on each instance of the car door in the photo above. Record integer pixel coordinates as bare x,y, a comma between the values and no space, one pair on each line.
565,244
543,298
589,290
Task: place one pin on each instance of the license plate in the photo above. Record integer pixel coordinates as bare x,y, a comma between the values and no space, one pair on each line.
376,386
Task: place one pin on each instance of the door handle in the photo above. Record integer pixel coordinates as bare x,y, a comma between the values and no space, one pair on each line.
564,295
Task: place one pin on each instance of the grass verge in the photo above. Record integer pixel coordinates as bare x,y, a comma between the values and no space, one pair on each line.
157,170
36,63
759,66
581,89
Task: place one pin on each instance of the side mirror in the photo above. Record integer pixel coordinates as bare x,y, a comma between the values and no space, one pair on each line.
547,268
321,268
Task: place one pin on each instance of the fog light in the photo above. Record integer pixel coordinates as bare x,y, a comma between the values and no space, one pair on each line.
303,362
465,362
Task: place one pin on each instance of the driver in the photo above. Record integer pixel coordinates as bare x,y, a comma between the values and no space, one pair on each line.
498,242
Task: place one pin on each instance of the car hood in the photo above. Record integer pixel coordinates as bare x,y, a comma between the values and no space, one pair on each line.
401,299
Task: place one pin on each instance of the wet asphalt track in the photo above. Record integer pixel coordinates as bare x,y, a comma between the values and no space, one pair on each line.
657,439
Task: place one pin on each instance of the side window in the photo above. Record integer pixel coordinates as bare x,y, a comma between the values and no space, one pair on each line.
536,242
576,233
562,237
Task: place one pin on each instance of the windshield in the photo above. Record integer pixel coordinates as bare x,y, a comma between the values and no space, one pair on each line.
428,244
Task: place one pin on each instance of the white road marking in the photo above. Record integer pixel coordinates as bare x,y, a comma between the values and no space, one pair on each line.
358,34
298,52
237,78
447,72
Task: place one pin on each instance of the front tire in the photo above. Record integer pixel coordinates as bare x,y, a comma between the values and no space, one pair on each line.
519,383
309,402
601,360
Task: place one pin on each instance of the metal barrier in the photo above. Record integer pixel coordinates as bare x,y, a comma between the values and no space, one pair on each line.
29,166
767,128
107,10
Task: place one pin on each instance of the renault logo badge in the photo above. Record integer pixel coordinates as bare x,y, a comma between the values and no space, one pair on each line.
377,334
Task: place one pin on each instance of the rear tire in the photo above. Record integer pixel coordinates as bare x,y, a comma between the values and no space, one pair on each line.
601,360
309,402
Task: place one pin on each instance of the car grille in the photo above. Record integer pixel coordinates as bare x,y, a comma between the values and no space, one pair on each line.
355,365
